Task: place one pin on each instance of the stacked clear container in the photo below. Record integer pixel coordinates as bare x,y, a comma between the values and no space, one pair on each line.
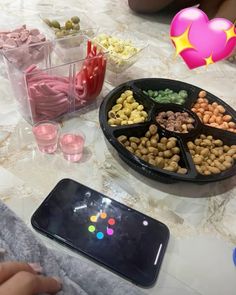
116,62
54,78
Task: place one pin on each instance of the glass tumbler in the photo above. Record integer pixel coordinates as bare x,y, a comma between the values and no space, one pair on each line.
46,135
72,145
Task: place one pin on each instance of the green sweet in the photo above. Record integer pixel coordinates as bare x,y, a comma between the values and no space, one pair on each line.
150,93
167,96
183,93
145,92
69,25
75,19
48,22
55,24
181,101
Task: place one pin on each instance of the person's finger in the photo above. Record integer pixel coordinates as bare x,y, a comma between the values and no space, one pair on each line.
9,269
26,283
47,284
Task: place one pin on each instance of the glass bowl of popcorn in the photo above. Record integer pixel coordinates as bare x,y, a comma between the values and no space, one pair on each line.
123,49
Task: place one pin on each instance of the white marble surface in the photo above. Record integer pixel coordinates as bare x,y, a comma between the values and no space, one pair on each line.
202,219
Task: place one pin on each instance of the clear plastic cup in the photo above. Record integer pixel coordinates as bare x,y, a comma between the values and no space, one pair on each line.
46,135
72,145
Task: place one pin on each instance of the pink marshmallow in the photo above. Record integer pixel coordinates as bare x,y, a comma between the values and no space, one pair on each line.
24,37
32,39
18,30
4,32
13,35
41,37
4,37
11,43
34,32
1,43
19,37
19,42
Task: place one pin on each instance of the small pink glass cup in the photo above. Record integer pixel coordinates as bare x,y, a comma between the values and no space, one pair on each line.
46,135
72,145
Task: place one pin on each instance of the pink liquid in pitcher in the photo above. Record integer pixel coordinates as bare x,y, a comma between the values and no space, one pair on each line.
46,136
72,146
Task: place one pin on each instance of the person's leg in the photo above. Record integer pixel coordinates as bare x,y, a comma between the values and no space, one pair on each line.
213,8
227,10
177,5
152,6
148,6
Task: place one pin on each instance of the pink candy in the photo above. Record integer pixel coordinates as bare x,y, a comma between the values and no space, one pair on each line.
16,39
51,96
23,34
46,98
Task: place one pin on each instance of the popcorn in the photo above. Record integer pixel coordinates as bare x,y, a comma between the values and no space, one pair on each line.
121,48
122,53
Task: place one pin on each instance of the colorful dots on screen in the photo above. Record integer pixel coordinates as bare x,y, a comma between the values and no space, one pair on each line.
110,231
100,235
100,218
111,221
93,218
91,228
103,215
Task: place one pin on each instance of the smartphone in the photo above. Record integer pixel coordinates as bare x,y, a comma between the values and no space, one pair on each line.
112,234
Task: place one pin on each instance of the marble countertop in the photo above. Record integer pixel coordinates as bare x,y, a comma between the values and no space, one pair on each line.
201,219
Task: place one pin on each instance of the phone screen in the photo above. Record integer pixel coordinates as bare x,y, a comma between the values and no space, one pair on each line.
124,240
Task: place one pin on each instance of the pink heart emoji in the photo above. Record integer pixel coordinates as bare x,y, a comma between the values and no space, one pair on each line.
200,41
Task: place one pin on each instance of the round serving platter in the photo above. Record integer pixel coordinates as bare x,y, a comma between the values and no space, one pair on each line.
153,108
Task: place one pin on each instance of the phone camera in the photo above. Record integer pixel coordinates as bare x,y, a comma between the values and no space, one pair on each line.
145,223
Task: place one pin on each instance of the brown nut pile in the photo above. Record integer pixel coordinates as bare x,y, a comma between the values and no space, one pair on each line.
159,152
180,122
210,155
126,111
213,114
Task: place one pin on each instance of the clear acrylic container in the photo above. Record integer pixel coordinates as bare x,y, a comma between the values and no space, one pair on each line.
11,22
87,26
53,87
116,63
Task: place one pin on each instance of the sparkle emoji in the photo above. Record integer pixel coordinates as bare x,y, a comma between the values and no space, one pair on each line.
200,41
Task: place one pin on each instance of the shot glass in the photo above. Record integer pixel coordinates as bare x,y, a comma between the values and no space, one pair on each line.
46,135
72,145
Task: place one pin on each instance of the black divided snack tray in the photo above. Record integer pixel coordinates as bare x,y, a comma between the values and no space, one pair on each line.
152,107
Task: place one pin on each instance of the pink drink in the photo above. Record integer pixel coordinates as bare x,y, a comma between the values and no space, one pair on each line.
72,146
46,136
